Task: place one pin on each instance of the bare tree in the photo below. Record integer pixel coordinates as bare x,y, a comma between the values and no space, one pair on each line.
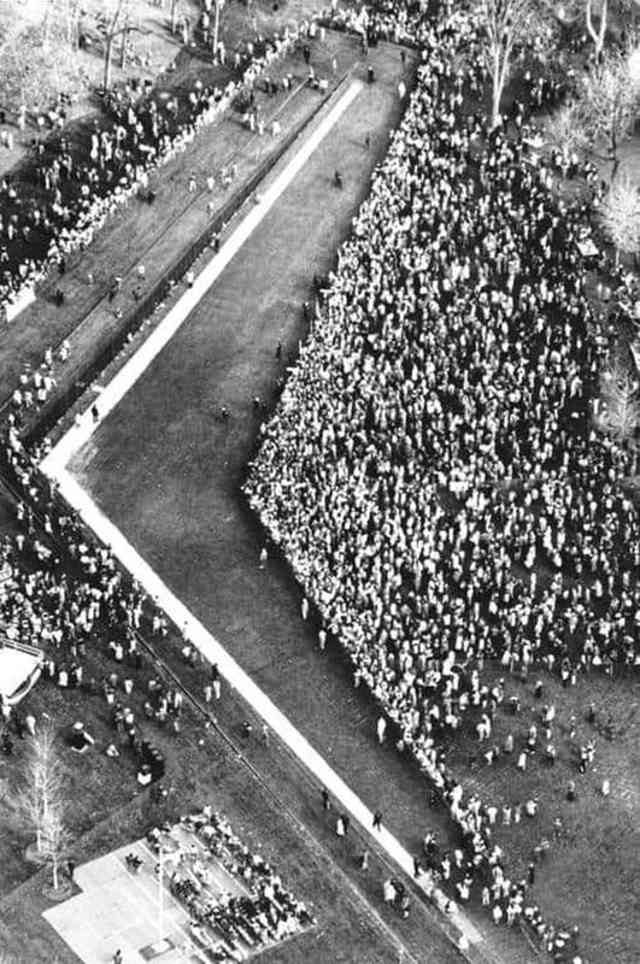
620,217
117,22
597,35
60,20
621,409
565,130
174,15
599,17
572,10
55,841
504,25
43,783
34,61
609,102
216,30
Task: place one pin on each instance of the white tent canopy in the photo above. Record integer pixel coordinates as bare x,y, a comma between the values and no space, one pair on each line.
19,670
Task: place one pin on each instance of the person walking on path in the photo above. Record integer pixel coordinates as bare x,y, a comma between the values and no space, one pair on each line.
216,683
381,728
377,820
326,801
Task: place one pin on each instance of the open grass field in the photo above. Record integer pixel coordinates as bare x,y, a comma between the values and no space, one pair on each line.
590,876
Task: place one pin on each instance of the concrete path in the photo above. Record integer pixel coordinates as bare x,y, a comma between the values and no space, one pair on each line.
117,910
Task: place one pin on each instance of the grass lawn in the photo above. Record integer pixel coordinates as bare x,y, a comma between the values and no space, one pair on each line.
591,874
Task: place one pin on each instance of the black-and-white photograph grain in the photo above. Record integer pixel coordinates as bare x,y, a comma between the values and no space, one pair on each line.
319,481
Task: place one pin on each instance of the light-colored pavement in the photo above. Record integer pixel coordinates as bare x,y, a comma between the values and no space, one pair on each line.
117,910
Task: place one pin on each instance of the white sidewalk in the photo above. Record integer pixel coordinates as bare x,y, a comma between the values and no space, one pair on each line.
55,467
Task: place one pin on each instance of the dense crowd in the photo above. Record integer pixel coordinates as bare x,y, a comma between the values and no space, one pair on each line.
77,190
432,472
66,595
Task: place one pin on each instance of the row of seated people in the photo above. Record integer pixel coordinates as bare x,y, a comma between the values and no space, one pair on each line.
262,912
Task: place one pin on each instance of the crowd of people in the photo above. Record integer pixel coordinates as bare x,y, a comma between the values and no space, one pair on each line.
433,473
77,189
228,923
65,595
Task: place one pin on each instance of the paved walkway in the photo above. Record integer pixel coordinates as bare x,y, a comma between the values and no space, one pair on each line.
55,466
117,909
